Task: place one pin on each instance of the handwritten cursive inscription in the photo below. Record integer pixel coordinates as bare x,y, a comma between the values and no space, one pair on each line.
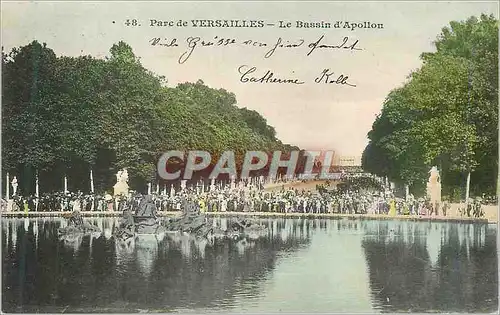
268,77
328,77
166,43
281,44
193,42
344,45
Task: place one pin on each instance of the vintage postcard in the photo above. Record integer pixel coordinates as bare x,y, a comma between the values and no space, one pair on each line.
249,157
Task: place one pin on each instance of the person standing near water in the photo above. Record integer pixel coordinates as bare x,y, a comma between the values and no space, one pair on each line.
436,208
392,207
25,205
469,206
478,211
446,206
202,205
406,208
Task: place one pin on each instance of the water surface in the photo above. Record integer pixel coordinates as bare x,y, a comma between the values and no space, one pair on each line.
302,265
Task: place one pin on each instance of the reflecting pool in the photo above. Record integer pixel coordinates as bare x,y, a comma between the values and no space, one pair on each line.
302,265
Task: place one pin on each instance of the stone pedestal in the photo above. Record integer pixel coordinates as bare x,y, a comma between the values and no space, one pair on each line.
121,186
120,189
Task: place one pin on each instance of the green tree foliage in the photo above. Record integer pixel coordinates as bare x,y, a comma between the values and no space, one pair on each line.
446,114
67,115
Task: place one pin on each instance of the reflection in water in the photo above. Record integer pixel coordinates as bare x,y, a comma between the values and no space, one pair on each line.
107,227
301,265
35,230
13,231
147,251
223,223
124,248
72,241
432,266
201,245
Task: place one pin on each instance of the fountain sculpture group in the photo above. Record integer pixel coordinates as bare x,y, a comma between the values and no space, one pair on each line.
141,220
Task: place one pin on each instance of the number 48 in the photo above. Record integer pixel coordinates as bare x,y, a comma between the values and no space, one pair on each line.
132,22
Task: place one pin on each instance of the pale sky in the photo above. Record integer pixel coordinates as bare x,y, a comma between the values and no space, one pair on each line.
310,115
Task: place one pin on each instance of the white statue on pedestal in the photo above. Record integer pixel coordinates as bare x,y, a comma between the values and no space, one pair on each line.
434,186
121,186
14,185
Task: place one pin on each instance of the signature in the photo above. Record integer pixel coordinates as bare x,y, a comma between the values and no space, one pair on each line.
268,77
329,77
193,43
250,74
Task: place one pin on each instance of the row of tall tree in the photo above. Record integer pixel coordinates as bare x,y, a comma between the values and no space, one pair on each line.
445,114
62,116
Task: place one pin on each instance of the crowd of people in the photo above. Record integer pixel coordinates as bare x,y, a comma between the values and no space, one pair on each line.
248,197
